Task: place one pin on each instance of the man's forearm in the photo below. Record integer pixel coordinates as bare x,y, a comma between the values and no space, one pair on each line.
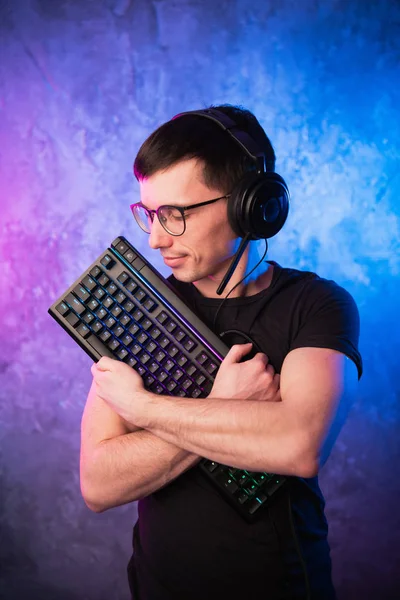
131,466
259,436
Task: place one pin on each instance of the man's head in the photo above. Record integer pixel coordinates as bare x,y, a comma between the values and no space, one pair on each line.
191,160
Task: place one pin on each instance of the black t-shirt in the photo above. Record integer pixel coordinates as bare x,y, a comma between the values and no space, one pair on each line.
188,542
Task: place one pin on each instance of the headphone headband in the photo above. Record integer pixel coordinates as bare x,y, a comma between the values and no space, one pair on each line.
241,137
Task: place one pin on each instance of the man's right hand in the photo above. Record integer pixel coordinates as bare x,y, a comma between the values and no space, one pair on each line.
253,379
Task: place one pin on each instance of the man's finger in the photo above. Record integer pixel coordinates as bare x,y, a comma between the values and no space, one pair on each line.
237,352
105,363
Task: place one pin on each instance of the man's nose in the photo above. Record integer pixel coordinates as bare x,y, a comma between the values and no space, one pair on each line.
158,237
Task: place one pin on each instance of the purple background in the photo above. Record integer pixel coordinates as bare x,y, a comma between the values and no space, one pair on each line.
82,83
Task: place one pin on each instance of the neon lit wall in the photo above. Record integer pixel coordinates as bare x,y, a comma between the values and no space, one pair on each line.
82,83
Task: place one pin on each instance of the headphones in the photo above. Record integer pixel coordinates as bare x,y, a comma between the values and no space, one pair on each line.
259,203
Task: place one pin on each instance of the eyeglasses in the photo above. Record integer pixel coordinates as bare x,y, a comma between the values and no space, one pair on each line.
172,218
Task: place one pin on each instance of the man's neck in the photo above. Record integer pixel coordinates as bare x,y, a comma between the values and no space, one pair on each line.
261,281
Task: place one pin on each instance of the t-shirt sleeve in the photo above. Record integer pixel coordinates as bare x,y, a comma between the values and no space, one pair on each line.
328,317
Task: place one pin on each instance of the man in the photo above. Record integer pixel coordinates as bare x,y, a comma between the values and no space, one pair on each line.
188,542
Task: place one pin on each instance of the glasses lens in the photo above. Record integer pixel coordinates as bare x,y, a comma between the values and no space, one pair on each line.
142,218
172,220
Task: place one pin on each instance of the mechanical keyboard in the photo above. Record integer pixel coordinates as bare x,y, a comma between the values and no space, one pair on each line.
122,307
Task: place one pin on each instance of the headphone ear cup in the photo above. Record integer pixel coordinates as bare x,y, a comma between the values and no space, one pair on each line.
259,205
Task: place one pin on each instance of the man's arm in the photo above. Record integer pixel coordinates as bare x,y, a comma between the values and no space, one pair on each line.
290,437
121,463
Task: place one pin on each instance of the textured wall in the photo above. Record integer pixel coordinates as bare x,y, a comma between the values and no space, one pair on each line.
82,83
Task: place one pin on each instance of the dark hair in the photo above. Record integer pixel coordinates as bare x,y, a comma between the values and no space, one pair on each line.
193,136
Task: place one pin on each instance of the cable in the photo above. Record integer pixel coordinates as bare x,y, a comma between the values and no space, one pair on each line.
235,286
299,552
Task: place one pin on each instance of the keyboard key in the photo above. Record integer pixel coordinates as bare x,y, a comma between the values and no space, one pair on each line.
130,256
123,277
157,388
202,358
101,313
135,349
180,393
142,337
81,292
113,344
149,305
74,303
92,304
190,369
62,308
137,315
168,364
256,503
189,344
120,297
195,393
177,374
179,335
146,324
159,355
129,306
131,286
109,322
162,376
95,272
139,368
151,346
200,379
133,329
211,465
103,279
144,358
171,326
242,497
131,361
98,345
125,320
97,327
99,293
140,295
173,350
186,384
273,484
112,289
127,339
116,311
108,302
83,330
88,317
118,330
181,360
211,367
122,353
227,482
164,341
121,247
171,385
155,333
153,366
162,317
105,335
107,261
148,380
89,283
138,263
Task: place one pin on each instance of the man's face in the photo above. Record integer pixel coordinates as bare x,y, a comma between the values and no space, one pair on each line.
204,251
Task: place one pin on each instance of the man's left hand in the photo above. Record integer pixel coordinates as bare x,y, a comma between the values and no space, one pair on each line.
121,387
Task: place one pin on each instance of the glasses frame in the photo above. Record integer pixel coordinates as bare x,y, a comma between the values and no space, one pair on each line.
181,209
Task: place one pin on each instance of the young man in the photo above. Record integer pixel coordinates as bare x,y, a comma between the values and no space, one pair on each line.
278,412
